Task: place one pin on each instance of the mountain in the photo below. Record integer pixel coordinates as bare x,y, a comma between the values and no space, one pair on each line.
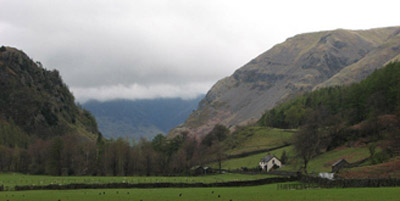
302,63
35,102
140,118
375,99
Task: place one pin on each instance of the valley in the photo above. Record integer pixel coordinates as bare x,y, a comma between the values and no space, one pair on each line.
140,118
320,110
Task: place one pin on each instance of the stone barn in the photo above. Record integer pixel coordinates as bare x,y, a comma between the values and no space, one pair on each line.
342,163
200,170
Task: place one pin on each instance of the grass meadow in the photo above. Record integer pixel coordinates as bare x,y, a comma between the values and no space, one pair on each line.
324,161
321,163
250,161
256,193
256,138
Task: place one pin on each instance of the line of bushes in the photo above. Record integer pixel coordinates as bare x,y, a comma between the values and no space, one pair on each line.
346,183
157,185
1,188
257,171
241,155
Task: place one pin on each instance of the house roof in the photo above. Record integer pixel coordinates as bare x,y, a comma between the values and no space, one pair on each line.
339,161
267,158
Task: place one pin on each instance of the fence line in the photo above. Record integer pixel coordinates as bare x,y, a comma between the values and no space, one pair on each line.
300,186
159,185
308,182
256,151
350,183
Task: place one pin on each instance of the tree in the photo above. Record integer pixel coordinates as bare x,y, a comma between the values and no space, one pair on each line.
217,134
393,146
217,150
38,154
54,164
372,149
309,141
147,157
159,143
306,143
182,161
284,157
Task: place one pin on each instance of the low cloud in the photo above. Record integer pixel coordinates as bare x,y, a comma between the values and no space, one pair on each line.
136,91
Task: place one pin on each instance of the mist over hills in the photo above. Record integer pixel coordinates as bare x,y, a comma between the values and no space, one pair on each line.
299,64
140,118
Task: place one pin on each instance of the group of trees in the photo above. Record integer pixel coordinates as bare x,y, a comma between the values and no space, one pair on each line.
74,155
376,95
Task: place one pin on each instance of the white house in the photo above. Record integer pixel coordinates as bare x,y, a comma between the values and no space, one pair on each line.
326,175
269,163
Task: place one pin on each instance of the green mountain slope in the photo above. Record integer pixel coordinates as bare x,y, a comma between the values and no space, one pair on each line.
377,95
34,102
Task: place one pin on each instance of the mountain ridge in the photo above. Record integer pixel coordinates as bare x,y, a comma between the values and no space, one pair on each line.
292,67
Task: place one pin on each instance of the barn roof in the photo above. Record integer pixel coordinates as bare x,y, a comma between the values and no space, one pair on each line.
340,161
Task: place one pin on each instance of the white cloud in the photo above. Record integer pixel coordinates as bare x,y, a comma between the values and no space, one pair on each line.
100,44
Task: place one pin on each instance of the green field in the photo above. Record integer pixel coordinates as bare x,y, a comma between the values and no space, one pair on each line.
13,179
256,138
321,163
250,161
257,193
324,161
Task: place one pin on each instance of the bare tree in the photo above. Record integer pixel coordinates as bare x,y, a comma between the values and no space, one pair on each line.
309,141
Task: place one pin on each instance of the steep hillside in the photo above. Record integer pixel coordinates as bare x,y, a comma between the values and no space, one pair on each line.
35,101
140,118
376,98
293,67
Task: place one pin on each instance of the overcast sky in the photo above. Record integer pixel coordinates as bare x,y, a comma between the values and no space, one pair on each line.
137,49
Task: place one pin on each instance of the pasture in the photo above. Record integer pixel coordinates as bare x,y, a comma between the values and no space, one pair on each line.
252,160
321,163
256,138
12,179
257,193
324,161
